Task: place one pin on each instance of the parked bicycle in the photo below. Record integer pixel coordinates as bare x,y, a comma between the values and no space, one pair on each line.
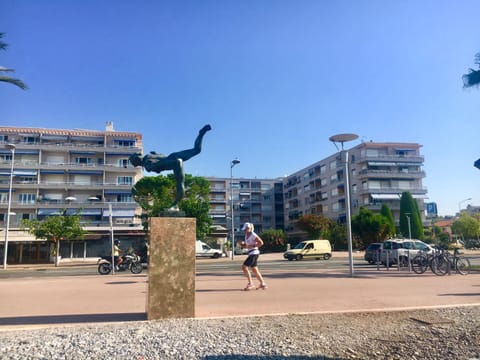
441,262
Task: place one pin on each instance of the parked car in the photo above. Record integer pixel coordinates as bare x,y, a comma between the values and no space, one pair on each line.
401,250
372,252
316,249
204,250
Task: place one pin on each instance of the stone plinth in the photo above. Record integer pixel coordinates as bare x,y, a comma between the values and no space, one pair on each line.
171,268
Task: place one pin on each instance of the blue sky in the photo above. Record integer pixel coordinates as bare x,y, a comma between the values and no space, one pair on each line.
275,79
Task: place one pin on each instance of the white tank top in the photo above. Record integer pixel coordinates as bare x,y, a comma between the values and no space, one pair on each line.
250,241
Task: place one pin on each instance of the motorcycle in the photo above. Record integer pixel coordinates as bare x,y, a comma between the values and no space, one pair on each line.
130,262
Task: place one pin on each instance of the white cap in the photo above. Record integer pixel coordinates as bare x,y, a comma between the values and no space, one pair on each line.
246,225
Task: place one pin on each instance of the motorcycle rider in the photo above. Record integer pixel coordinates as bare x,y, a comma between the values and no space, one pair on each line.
116,254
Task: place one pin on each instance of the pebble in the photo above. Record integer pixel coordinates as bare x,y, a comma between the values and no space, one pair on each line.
379,335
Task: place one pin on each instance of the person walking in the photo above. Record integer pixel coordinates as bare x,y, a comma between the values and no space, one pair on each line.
252,243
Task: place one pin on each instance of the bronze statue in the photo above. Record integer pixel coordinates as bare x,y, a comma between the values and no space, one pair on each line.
159,162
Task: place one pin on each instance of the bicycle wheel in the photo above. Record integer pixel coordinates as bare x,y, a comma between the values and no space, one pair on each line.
462,264
440,265
419,264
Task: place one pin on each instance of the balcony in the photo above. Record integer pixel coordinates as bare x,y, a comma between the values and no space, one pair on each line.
410,159
367,173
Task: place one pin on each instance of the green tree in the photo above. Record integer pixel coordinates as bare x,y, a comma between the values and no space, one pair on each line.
370,227
338,236
466,226
7,79
155,194
55,229
274,240
316,226
409,209
472,78
387,213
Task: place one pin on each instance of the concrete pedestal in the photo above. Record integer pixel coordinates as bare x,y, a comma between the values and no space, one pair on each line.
171,268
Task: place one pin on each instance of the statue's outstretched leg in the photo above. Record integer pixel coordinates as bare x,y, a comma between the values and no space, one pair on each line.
197,146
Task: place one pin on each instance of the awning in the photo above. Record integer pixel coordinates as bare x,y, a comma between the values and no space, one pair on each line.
119,212
420,196
118,192
89,138
55,137
52,171
49,212
21,152
84,172
20,173
385,196
374,163
73,152
85,212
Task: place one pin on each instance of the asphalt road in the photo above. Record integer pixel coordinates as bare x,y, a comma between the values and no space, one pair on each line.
268,262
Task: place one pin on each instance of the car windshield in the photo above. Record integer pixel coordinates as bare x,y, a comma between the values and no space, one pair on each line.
374,247
421,246
300,246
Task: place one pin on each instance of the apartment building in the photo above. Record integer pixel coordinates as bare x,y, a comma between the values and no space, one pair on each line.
76,170
259,201
378,174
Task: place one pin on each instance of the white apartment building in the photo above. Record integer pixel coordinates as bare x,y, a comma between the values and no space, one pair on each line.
56,169
259,201
378,173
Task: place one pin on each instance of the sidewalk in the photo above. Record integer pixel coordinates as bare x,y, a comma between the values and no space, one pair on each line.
65,300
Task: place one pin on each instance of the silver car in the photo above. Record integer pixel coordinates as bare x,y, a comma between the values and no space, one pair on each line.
401,251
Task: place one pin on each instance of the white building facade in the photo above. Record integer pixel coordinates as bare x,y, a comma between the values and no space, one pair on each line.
76,170
378,174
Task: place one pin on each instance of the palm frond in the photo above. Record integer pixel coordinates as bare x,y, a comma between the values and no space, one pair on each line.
471,79
13,81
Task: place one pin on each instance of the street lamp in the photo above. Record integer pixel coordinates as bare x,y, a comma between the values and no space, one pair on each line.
460,204
232,164
409,227
9,206
342,138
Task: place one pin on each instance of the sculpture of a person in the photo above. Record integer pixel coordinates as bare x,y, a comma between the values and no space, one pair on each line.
159,162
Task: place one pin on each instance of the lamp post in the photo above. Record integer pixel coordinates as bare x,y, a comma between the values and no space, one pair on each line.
232,164
9,206
409,227
342,138
460,204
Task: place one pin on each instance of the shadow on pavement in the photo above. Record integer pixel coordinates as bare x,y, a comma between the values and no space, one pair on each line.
72,319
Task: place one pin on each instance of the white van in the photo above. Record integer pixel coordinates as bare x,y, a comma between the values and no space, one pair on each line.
313,249
204,250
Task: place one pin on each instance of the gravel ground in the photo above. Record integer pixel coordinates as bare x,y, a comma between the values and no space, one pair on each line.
447,333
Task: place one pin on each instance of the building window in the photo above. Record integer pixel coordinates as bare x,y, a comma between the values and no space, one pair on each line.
26,198
125,180
125,143
83,161
124,198
30,140
123,163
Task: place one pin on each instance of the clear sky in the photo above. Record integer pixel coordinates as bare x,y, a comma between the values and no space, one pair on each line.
274,78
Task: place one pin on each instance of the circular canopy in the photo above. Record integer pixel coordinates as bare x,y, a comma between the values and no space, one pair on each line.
341,138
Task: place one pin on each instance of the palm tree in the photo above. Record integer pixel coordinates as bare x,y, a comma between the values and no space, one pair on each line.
473,77
8,79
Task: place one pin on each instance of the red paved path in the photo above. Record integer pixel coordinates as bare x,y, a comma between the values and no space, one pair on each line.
37,301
